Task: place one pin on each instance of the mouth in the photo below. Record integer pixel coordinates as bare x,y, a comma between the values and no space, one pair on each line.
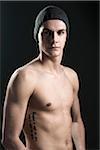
56,47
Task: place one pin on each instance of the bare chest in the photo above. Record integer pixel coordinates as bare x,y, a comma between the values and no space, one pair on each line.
52,94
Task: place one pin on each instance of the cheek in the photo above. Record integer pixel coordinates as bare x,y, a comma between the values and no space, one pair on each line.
42,40
46,40
44,43
63,42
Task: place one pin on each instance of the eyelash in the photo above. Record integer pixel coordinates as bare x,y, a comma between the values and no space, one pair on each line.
50,32
60,32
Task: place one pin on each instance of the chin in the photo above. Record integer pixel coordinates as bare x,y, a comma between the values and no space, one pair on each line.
56,54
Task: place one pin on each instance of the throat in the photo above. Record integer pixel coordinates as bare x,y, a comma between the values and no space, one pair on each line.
51,64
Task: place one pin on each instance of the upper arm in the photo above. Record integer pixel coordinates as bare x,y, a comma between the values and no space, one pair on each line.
76,115
72,75
17,95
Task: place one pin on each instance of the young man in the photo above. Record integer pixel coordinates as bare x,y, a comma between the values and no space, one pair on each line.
42,94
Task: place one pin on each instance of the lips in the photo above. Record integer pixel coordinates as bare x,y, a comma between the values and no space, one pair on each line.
56,47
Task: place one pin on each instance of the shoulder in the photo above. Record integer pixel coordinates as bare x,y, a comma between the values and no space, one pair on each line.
72,76
22,76
71,72
26,75
21,85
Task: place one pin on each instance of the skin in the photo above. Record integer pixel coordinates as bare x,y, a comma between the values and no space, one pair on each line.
40,97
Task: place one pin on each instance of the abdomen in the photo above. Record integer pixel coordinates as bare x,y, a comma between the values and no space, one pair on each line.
51,129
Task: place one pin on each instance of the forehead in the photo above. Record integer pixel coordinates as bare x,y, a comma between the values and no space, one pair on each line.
54,25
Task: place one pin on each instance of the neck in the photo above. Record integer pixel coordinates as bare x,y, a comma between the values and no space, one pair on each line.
51,64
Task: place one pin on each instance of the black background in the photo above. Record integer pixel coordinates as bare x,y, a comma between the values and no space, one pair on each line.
81,54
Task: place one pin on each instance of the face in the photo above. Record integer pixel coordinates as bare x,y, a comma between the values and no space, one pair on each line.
52,37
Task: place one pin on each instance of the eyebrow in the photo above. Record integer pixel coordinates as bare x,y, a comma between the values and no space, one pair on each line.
53,31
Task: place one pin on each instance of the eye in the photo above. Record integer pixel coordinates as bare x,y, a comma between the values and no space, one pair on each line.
47,32
61,32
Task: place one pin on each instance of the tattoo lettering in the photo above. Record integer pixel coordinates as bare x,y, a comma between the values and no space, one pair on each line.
32,125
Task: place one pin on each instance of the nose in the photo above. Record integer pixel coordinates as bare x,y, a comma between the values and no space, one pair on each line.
54,37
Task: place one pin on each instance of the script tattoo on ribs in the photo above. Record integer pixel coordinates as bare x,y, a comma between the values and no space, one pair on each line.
32,125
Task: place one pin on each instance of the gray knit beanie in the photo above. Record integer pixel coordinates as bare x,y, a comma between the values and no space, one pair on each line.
48,13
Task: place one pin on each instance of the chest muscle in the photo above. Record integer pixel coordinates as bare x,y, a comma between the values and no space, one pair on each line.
51,93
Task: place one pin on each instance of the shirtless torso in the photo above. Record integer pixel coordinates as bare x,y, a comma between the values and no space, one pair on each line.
48,118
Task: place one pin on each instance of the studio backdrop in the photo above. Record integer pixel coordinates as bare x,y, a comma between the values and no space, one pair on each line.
81,52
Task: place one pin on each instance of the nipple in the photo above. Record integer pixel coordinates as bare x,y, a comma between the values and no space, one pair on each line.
49,104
